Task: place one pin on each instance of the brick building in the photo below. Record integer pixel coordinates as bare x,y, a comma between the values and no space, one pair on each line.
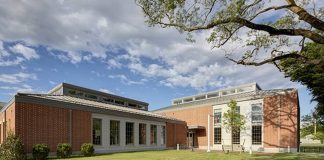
272,118
76,115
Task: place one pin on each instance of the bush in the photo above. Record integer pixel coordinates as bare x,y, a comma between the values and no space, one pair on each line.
12,148
87,149
64,150
40,151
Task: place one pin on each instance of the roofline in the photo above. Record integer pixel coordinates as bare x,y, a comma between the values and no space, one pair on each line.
12,100
67,105
95,91
209,101
219,90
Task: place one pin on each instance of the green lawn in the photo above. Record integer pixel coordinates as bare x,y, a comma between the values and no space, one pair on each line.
198,155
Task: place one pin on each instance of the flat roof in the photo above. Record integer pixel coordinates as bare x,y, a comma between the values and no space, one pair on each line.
225,99
72,86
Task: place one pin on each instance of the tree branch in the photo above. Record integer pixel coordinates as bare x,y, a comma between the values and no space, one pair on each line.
270,60
305,16
271,30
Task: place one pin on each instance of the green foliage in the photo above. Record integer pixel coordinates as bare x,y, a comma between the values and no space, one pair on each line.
309,73
40,151
12,148
64,150
233,120
87,149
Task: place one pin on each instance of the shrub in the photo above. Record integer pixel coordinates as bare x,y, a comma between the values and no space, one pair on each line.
40,151
64,150
12,148
87,149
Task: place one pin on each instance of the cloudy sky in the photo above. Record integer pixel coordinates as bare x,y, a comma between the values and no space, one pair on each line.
106,45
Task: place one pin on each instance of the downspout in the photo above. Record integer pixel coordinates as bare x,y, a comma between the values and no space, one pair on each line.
279,123
70,126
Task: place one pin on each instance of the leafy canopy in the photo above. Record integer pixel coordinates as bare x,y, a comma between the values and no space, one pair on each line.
262,26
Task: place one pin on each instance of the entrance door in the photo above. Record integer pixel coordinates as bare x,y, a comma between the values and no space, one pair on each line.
191,139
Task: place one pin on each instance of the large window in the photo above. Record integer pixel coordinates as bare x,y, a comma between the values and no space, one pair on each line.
129,133
218,135
163,135
96,131
236,137
142,133
256,113
114,132
256,134
153,134
217,116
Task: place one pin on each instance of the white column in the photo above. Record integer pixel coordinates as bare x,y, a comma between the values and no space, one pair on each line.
105,132
148,135
136,134
208,134
122,133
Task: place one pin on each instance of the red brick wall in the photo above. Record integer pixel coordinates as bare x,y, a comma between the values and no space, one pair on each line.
81,129
195,116
50,125
9,125
281,120
176,134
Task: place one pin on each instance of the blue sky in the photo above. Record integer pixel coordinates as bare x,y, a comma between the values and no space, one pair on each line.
108,47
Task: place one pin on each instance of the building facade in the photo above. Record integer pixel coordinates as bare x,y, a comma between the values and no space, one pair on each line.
77,115
272,118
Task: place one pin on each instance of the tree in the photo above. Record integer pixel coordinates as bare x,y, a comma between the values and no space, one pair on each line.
312,127
12,148
227,19
273,31
233,121
309,74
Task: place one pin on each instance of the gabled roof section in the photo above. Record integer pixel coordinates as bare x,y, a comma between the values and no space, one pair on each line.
2,104
70,102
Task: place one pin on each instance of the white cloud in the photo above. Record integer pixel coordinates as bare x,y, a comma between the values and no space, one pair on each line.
17,77
74,31
14,62
52,83
112,63
126,80
18,89
106,91
27,52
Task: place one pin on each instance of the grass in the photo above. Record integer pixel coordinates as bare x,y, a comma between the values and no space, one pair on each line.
198,155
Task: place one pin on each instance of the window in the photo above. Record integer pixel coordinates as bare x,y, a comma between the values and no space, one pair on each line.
132,105
213,95
114,132
163,135
177,102
91,96
153,134
236,137
142,107
238,109
109,100
200,97
217,135
119,102
187,100
96,131
256,134
217,116
75,92
256,113
142,133
129,133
